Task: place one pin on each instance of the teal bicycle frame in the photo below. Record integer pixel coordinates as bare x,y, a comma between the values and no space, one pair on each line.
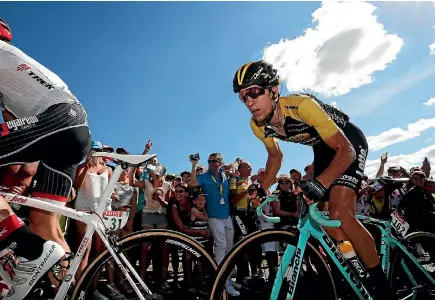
311,224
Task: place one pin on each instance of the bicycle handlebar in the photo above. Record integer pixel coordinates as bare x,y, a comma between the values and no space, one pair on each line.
316,215
262,215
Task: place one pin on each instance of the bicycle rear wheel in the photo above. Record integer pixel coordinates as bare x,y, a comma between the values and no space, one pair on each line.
314,271
104,276
422,246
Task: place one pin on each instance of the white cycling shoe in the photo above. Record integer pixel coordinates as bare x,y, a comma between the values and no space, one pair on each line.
28,273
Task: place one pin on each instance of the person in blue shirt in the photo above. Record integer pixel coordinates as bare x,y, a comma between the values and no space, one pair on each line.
215,184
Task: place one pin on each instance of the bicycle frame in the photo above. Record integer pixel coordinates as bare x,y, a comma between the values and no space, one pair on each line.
312,225
94,224
388,243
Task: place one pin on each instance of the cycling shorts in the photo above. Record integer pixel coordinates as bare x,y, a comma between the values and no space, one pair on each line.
352,177
59,138
244,224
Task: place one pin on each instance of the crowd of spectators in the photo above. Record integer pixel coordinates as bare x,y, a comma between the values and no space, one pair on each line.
212,204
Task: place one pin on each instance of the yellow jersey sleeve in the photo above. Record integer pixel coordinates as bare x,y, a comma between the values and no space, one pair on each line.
269,142
314,115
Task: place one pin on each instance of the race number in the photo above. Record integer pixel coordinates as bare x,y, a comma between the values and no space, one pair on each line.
399,223
115,220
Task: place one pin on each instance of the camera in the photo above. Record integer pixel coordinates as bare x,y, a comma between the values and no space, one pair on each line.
194,156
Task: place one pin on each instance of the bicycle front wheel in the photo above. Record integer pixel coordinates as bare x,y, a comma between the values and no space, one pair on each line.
405,277
174,266
314,268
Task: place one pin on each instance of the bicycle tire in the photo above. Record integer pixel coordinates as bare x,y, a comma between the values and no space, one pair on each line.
411,238
136,238
230,260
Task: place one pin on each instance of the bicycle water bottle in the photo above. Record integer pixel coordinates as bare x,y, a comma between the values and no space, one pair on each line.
349,254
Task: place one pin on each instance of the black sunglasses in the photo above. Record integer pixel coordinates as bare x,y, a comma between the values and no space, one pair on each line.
253,92
284,181
213,161
180,191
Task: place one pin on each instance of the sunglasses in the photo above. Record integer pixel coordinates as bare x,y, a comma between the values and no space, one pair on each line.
253,92
180,191
284,181
418,177
213,161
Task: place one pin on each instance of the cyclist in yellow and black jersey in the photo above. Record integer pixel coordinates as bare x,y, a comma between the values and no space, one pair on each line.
340,151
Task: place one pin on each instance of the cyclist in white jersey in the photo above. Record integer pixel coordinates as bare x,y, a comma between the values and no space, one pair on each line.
45,114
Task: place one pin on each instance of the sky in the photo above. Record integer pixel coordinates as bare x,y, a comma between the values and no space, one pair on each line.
163,71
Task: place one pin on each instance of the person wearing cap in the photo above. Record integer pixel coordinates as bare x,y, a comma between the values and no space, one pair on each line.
157,192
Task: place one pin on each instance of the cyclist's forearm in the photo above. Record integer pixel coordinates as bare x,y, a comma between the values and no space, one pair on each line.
272,168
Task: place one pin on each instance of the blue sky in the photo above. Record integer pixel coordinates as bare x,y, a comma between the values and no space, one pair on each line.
163,71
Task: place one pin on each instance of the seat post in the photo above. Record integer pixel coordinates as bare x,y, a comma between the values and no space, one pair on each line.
106,196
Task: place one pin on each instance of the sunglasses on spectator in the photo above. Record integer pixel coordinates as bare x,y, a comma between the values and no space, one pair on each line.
284,181
97,150
417,177
213,161
180,191
253,92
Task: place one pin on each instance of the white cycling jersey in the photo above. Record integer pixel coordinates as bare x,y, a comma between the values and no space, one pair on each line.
28,88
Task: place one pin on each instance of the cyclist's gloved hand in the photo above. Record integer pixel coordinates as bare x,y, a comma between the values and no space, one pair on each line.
313,189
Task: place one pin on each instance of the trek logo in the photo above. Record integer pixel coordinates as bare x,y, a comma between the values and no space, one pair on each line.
17,124
41,81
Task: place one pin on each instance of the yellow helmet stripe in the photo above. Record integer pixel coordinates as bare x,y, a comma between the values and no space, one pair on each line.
245,68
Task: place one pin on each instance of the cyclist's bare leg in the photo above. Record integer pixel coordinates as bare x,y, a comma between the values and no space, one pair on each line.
46,224
342,206
342,203
336,233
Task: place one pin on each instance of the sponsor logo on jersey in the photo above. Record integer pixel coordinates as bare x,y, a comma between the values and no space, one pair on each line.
23,67
41,81
298,138
18,124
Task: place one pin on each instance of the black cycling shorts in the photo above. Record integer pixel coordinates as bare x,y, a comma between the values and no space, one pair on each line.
59,138
352,177
244,224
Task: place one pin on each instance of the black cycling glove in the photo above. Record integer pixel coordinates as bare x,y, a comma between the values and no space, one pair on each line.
313,189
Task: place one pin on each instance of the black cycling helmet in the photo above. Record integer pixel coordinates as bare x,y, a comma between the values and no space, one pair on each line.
259,73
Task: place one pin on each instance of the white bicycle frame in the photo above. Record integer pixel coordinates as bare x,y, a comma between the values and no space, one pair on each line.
93,220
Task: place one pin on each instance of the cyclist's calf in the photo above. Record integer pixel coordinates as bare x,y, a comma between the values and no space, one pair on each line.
342,204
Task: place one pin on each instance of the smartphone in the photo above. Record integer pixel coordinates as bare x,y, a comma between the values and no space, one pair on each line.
384,155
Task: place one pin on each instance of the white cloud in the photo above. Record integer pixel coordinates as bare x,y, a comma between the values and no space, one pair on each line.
340,53
406,161
396,135
334,103
430,102
432,48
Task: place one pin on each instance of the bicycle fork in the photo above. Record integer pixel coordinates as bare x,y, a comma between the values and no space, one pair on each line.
295,255
130,269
